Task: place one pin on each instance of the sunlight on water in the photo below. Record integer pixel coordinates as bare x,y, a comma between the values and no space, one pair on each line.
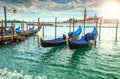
5,74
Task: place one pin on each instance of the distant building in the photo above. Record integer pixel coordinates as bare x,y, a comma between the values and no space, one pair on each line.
89,20
109,20
92,19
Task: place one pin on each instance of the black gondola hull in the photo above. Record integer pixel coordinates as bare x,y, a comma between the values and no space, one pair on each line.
77,46
50,44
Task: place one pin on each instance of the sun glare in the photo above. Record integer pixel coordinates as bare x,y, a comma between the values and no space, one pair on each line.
111,10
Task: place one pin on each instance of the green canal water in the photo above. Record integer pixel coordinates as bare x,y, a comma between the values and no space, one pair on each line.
28,60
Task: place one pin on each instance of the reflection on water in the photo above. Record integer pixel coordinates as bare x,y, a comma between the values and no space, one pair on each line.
77,55
51,52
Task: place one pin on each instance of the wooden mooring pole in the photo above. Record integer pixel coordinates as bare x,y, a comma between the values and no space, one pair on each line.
73,27
33,25
84,27
12,35
117,21
43,28
39,31
95,43
33,28
27,25
14,27
23,25
100,28
2,28
38,24
55,27
85,17
70,26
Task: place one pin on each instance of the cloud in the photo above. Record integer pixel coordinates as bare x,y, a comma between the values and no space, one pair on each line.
90,2
51,8
38,6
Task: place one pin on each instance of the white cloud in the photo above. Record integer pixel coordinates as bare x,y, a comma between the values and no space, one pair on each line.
90,2
37,6
51,8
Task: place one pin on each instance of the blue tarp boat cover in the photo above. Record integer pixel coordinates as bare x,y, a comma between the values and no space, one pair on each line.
18,31
87,37
56,40
92,35
17,28
8,32
76,33
81,41
31,29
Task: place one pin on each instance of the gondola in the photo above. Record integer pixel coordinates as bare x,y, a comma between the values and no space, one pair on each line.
75,33
58,41
5,31
8,31
85,40
33,31
18,31
18,28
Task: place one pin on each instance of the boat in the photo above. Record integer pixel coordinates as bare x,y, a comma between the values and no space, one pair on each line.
8,31
17,28
5,31
85,40
75,33
18,31
32,31
60,40
8,36
53,42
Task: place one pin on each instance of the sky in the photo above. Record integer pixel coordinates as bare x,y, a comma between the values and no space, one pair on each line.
47,10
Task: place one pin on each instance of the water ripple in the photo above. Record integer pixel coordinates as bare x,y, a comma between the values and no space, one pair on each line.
28,60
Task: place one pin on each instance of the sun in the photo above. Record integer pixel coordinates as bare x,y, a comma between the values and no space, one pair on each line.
111,10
